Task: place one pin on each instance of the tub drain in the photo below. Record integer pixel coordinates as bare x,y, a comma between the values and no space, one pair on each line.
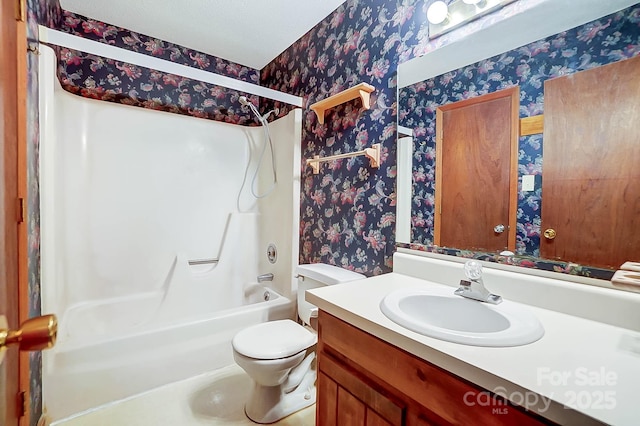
267,296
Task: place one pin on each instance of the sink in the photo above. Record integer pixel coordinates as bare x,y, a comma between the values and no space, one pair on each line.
437,312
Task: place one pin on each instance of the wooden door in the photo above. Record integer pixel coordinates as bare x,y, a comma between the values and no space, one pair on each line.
476,172
10,409
590,168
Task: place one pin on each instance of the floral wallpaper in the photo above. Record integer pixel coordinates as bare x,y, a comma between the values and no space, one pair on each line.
37,11
523,261
347,212
348,209
609,39
101,78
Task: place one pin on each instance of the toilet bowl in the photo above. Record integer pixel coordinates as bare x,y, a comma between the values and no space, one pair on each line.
279,356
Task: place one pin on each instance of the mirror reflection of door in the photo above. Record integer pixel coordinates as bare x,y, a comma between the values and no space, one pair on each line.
591,166
476,172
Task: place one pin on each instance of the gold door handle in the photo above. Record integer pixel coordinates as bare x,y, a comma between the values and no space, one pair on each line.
34,334
550,233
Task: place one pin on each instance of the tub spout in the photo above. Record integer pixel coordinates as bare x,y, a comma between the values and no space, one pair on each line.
265,277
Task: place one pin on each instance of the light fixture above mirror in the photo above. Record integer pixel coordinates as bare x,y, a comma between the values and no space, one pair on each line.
443,18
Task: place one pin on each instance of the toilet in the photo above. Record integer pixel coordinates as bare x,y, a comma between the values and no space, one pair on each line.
279,356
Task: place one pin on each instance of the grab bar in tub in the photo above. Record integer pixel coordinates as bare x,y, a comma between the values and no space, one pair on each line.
202,261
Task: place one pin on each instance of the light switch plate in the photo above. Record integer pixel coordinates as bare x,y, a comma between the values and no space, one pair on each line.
528,183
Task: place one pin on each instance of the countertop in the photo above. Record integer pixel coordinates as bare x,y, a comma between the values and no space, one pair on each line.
580,372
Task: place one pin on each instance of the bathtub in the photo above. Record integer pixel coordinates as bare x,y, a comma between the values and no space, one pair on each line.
81,374
151,242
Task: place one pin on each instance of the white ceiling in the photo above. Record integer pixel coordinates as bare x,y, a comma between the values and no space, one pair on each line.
248,32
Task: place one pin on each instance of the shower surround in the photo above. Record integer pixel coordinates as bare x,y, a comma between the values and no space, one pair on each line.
152,242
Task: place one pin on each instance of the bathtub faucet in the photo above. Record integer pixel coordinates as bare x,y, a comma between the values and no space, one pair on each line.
265,277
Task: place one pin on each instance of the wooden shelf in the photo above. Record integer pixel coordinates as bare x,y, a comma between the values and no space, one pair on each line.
362,90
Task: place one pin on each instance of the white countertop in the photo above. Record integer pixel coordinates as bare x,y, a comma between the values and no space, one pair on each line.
591,367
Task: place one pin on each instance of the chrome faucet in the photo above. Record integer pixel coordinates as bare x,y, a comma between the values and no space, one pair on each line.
473,287
265,277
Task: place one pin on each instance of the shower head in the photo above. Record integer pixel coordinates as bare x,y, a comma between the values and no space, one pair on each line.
245,102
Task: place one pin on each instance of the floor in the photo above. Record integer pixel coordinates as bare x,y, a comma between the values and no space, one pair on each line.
212,399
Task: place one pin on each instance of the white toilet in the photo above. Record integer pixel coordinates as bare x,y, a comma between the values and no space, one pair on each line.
280,355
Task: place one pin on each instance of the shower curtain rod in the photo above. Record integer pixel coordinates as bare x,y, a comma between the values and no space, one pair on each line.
58,38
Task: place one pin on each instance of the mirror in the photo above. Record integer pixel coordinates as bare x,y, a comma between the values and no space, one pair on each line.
486,62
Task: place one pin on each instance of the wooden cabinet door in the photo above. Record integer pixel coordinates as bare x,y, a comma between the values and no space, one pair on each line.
346,399
363,380
590,172
476,172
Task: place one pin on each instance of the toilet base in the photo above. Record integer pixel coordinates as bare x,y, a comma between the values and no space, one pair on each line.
268,404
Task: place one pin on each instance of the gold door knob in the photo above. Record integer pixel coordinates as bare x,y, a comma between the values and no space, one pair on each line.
35,334
550,233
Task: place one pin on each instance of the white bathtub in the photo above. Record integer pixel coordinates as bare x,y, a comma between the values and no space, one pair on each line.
81,376
152,242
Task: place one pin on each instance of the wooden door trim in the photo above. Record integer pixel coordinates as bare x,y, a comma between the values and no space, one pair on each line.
513,169
503,93
23,245
514,94
12,134
437,206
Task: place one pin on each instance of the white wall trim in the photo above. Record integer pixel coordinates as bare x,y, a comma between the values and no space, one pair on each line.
50,36
404,131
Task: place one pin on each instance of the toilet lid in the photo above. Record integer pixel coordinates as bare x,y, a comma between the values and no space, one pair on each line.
273,340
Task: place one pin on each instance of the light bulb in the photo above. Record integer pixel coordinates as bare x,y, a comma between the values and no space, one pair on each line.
437,12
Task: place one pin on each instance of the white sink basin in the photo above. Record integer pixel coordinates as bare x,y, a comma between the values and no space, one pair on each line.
437,312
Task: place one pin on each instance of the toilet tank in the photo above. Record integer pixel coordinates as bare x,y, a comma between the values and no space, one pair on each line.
319,275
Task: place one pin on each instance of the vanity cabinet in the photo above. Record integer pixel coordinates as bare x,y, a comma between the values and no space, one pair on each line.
363,380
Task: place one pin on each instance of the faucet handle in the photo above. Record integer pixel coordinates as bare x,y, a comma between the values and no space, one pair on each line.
473,270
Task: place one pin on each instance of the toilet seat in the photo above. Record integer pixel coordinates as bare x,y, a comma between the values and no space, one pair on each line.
273,340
